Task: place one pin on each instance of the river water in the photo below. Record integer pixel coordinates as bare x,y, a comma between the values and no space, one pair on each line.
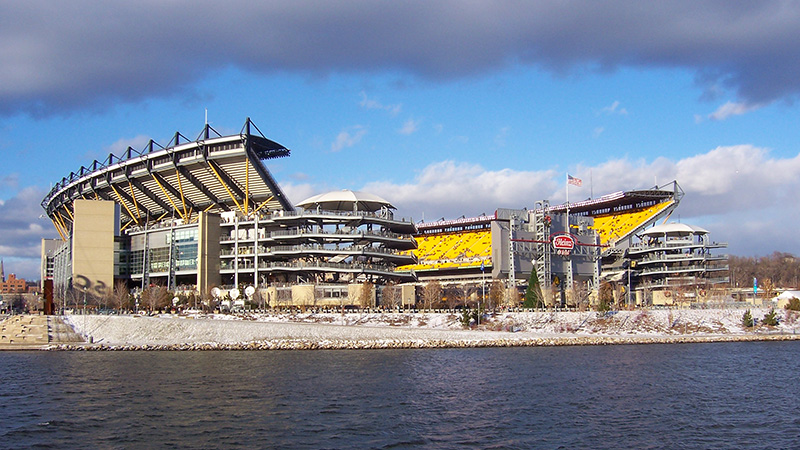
693,396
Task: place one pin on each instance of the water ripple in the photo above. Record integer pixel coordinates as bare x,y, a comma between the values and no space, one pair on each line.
712,396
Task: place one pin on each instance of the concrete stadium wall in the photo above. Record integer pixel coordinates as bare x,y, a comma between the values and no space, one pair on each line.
93,246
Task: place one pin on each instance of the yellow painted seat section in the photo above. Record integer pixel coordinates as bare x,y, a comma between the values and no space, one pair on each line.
612,227
444,251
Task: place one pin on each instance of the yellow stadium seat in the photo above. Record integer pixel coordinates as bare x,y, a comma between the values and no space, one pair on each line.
452,250
612,227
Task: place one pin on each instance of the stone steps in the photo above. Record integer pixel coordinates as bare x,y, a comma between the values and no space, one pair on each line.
34,330
61,333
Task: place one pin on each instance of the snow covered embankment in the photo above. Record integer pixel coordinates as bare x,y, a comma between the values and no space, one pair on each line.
424,330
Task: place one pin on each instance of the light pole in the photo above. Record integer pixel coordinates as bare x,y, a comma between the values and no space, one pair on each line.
483,290
630,299
84,309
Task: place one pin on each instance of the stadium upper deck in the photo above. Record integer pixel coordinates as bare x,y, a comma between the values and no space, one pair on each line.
622,201
620,215
463,246
453,245
212,173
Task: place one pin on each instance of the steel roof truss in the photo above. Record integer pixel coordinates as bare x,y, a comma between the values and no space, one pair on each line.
226,182
196,183
125,199
162,183
272,185
149,194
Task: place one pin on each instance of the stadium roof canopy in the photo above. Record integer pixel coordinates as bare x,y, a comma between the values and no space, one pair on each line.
674,229
622,200
212,173
346,200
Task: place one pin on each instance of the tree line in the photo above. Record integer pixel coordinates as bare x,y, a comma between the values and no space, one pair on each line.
780,270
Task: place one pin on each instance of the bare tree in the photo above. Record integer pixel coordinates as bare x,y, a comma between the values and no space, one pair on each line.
390,295
605,297
465,292
365,296
319,294
120,296
432,293
207,300
579,295
647,295
191,300
782,268
155,297
452,296
496,291
769,288
283,296
458,294
307,298
16,302
258,299
72,297
514,299
548,296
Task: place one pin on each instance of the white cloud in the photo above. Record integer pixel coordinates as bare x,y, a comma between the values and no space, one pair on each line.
450,189
117,148
598,131
348,138
21,231
733,109
369,103
740,193
409,127
137,143
296,193
501,136
9,181
614,109
50,65
299,176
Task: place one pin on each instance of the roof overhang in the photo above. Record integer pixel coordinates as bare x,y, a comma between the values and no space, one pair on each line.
211,174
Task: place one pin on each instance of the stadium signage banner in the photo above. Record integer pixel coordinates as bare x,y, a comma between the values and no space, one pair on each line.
446,223
563,244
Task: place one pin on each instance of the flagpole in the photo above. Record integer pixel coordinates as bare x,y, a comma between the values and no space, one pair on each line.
567,189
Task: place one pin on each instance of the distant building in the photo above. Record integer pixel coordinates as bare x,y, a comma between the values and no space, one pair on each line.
49,247
13,285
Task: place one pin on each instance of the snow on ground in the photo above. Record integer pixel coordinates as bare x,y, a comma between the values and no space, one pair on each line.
168,329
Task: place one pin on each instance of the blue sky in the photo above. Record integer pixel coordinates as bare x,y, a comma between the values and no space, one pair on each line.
445,109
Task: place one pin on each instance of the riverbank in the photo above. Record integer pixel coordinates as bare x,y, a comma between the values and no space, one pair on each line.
34,332
381,330
378,344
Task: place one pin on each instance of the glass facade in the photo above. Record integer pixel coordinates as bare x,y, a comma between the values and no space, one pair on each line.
185,244
160,245
122,266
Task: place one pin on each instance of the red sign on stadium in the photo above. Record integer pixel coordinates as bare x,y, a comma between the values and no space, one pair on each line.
563,244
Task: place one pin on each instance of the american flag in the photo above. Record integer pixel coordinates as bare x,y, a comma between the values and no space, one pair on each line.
574,181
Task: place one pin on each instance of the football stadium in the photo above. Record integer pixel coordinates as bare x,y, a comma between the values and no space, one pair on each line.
203,222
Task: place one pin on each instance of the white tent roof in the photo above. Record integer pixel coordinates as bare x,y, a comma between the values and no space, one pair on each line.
346,200
673,229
